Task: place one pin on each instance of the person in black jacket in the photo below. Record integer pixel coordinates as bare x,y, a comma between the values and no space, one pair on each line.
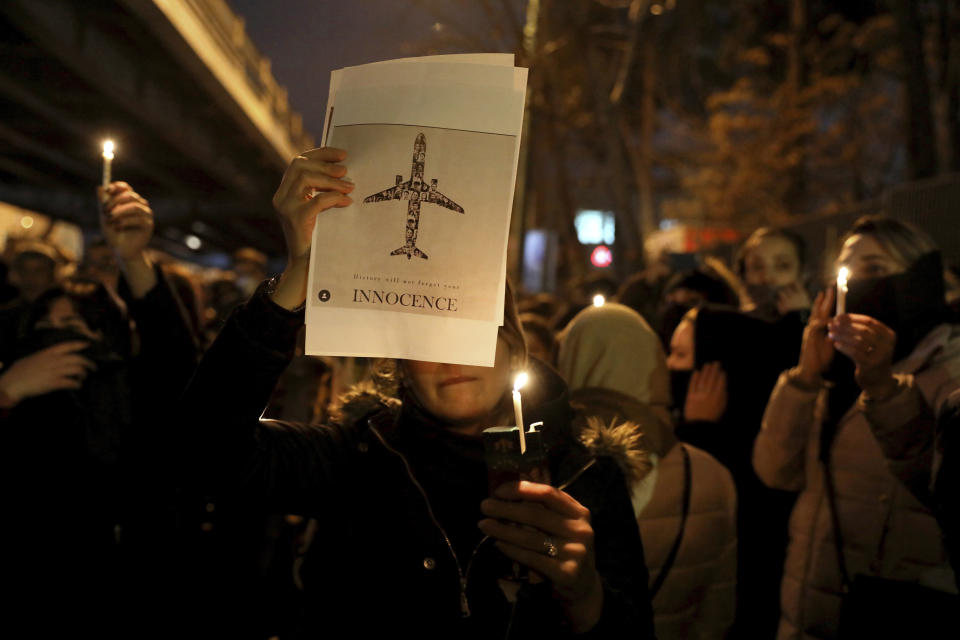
405,536
84,405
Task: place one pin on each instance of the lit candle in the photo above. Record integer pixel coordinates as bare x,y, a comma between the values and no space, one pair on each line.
842,276
599,300
107,161
518,383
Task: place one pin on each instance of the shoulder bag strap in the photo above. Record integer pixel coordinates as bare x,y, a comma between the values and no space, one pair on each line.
672,556
828,433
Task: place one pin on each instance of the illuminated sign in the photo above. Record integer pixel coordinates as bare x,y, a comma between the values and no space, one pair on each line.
595,227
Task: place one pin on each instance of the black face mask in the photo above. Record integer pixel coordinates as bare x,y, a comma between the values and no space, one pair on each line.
911,303
764,298
96,350
679,384
101,408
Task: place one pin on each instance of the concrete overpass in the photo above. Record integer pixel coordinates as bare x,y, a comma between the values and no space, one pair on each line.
202,128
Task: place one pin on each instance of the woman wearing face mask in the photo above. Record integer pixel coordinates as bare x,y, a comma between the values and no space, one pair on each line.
770,264
407,538
722,367
856,528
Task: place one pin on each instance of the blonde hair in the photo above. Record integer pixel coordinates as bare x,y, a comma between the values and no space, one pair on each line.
904,242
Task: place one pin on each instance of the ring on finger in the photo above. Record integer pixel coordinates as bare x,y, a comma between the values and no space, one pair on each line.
550,548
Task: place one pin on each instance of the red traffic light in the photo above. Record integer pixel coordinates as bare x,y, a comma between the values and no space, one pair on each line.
601,256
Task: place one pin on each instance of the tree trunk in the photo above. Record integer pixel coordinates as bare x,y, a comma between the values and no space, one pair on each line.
950,20
628,236
921,139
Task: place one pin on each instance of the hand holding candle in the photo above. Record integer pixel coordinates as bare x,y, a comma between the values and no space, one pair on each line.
842,275
107,163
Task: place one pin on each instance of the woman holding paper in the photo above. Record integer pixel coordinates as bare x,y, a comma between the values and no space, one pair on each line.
407,537
859,533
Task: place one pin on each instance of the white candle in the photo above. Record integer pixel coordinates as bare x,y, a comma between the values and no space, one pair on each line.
842,275
107,162
518,383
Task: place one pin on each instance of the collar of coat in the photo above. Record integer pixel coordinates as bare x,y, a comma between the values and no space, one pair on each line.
942,343
581,440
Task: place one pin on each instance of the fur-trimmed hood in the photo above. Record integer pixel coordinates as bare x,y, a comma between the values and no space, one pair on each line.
361,400
627,442
621,441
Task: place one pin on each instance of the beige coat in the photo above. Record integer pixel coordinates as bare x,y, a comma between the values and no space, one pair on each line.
698,598
886,531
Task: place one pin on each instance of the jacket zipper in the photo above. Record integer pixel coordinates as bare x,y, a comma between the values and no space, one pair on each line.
463,575
464,604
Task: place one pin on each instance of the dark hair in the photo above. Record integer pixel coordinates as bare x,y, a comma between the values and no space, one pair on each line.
34,251
99,309
903,241
766,233
539,328
597,282
705,281
543,304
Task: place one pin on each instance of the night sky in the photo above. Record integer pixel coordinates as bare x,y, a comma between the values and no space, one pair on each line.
306,39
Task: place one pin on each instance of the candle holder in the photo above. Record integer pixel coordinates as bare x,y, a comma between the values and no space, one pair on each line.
506,462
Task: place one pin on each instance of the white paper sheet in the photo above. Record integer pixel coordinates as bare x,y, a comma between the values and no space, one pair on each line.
416,267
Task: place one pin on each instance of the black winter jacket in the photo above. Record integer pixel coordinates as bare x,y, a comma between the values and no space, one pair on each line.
397,499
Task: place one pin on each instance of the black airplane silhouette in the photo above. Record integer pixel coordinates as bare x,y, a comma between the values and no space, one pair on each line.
415,191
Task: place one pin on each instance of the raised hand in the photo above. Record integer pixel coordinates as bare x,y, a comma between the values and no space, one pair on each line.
50,369
870,344
126,220
546,530
311,184
792,297
314,182
816,352
707,395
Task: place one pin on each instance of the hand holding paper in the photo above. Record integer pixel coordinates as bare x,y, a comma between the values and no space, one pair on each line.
295,202
311,184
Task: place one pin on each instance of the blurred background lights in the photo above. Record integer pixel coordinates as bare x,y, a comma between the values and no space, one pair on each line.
601,257
193,242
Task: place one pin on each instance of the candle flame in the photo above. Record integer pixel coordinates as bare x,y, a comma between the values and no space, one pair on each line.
599,300
520,380
108,149
842,274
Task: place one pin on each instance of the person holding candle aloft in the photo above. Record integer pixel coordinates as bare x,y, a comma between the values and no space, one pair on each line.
82,402
407,536
857,527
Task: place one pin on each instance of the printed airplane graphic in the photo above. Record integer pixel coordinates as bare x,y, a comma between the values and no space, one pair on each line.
415,191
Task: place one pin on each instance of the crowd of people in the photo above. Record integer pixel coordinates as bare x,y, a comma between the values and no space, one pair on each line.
729,456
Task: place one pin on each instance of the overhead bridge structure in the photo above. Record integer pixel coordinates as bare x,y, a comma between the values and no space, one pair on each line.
201,126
